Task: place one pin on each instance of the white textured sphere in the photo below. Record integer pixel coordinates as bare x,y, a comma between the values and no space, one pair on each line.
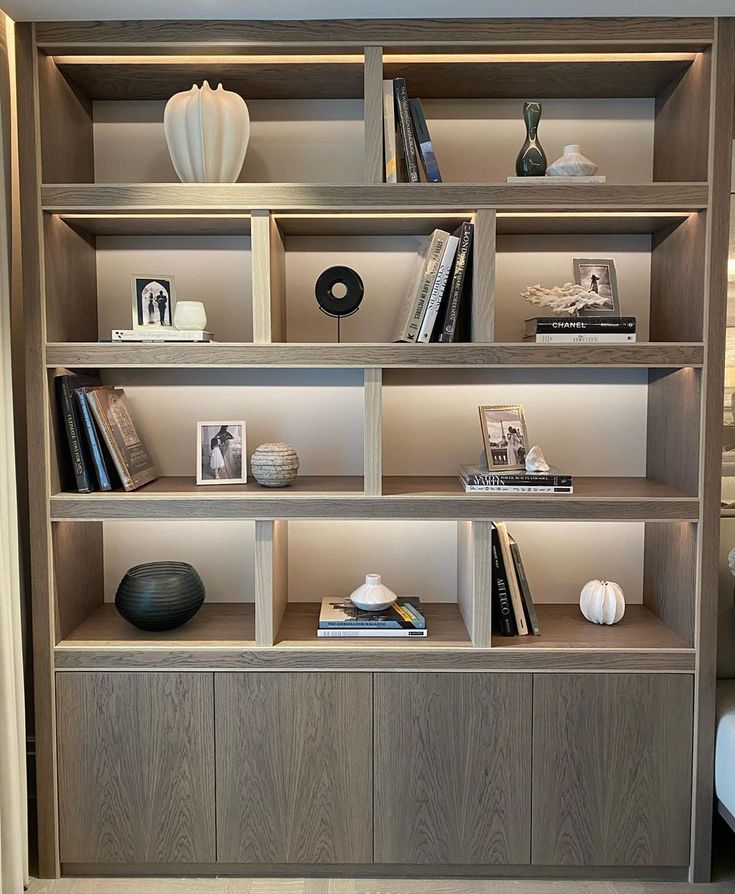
602,602
207,132
274,465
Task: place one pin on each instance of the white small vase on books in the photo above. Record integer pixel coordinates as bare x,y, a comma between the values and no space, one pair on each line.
372,596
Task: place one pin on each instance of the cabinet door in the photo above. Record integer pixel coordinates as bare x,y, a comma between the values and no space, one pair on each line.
136,767
612,769
452,768
294,772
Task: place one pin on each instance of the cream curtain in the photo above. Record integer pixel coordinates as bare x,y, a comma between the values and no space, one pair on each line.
13,810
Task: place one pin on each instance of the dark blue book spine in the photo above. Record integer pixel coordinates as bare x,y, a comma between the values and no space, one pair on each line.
95,448
423,140
82,474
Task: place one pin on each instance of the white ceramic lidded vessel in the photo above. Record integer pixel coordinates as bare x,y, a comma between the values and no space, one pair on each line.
372,596
572,164
190,315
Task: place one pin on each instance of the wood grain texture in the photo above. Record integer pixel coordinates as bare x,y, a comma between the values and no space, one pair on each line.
212,197
474,579
669,575
159,225
271,579
294,768
79,579
611,769
156,356
373,115
71,283
452,768
136,767
673,433
277,270
681,129
677,281
373,431
483,276
260,224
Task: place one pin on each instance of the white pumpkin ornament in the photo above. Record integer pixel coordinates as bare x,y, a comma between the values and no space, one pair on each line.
602,602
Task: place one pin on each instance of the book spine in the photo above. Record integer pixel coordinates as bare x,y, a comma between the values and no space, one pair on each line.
592,327
103,479
389,133
82,474
570,338
502,607
117,457
375,625
415,316
423,139
499,489
437,291
528,603
517,480
515,592
450,317
370,632
160,335
406,130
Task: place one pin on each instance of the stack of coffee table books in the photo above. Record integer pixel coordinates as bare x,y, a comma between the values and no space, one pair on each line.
339,617
478,481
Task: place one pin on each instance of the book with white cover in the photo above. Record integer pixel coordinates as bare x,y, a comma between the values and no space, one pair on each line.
582,178
576,338
389,133
161,336
411,312
437,292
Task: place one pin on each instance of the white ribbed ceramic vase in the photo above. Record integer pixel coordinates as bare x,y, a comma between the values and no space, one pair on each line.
602,602
372,596
207,132
572,164
190,315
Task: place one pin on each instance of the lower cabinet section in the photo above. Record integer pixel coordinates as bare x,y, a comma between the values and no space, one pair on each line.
452,768
462,768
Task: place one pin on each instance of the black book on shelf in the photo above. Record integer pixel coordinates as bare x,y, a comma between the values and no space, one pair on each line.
526,597
423,142
590,325
502,611
405,129
455,294
76,460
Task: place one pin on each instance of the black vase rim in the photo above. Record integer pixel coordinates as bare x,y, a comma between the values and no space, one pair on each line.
169,567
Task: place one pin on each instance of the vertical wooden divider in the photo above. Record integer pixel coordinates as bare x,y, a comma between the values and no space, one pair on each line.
269,279
483,276
373,114
271,579
373,432
474,579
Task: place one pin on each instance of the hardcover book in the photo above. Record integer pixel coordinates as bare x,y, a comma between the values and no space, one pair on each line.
160,336
426,149
104,467
502,613
411,312
111,413
581,338
597,325
405,129
404,614
526,596
456,292
389,133
483,481
438,289
78,466
516,599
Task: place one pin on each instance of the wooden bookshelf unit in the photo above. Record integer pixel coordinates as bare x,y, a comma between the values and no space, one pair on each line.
241,743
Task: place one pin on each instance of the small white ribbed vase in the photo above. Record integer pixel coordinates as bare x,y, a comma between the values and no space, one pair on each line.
572,164
207,132
372,596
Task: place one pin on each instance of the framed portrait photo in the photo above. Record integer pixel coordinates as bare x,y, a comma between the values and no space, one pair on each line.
153,302
505,436
221,453
598,275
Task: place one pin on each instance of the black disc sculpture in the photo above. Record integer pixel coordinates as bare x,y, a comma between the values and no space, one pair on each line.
159,595
339,305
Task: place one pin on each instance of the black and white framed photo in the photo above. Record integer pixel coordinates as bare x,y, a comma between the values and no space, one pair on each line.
597,275
221,453
153,302
505,436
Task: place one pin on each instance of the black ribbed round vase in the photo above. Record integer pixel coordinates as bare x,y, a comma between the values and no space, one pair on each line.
159,595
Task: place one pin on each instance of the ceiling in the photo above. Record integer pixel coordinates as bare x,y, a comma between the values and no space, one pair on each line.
70,10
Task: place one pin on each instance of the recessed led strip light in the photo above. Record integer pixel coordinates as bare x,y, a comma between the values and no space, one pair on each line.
203,60
408,58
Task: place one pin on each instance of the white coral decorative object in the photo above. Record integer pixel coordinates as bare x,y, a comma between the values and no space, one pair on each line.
373,596
274,465
602,602
207,132
567,299
536,461
572,164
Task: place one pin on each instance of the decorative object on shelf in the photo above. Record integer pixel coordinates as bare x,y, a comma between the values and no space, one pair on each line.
275,465
536,461
597,276
505,437
531,161
221,452
373,595
207,132
566,299
339,292
602,602
190,315
159,595
571,164
153,302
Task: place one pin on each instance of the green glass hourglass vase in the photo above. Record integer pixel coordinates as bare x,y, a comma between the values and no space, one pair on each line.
531,161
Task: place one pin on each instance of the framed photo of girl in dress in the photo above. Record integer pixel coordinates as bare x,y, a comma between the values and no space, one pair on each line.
597,275
153,302
505,437
221,453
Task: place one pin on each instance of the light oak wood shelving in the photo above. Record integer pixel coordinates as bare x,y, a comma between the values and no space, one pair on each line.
463,694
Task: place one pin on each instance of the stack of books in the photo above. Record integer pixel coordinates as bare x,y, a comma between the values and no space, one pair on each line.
580,330
436,305
162,334
408,150
513,609
478,481
339,617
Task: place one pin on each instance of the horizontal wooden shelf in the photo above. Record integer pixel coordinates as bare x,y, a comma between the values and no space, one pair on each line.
214,624
564,627
153,198
404,498
667,355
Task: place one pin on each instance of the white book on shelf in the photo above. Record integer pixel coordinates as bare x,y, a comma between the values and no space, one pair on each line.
389,133
375,632
437,292
161,335
571,179
411,311
576,338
